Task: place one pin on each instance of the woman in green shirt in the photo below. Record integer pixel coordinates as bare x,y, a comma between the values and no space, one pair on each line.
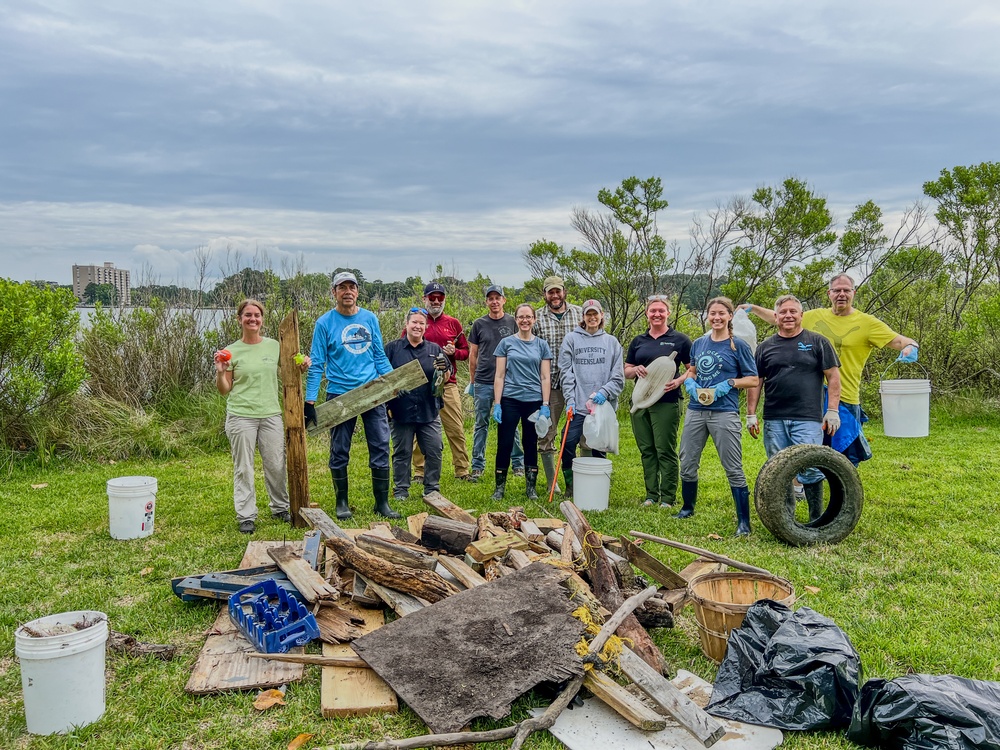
247,372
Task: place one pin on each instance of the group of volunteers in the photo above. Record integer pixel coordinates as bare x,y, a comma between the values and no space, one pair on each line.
529,368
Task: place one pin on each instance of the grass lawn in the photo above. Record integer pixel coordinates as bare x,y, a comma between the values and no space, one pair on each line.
914,586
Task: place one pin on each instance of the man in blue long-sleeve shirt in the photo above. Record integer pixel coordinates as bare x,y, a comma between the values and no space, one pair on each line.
347,349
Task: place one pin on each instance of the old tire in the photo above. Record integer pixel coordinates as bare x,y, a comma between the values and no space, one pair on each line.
776,504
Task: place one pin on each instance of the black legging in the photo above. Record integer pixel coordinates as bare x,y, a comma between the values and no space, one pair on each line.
513,411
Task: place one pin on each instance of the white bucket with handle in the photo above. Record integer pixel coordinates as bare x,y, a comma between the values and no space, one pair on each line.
906,407
131,506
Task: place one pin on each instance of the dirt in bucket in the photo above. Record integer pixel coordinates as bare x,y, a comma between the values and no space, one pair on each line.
62,628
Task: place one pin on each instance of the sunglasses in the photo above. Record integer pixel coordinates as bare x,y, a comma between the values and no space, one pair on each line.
436,297
419,310
657,298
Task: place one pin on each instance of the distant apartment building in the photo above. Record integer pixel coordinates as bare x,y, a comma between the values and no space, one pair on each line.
83,276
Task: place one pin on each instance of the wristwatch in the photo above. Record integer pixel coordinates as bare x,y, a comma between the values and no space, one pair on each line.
731,382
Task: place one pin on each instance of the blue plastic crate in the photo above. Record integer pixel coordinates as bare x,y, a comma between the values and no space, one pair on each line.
277,620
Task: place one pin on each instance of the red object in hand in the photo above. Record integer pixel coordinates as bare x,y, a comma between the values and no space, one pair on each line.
223,355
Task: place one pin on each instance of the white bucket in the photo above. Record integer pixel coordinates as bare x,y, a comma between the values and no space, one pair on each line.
62,676
906,407
591,483
131,506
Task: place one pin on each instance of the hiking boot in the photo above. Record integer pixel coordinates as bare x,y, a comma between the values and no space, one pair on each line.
247,527
282,515
476,475
518,472
469,478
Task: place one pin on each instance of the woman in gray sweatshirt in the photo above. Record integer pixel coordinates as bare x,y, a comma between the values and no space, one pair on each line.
591,369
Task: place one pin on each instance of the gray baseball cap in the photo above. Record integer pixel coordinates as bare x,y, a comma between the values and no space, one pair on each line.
493,288
343,276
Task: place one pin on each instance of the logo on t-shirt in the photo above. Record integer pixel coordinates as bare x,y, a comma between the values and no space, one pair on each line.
356,338
709,366
805,347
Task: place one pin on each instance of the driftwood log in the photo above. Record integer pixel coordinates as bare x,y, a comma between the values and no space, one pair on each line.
423,583
605,586
447,534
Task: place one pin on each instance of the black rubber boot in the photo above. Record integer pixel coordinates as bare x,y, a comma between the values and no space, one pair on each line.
741,497
380,489
689,492
531,483
568,482
340,488
501,484
814,499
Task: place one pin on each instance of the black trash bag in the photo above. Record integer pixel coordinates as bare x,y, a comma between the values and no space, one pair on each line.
921,711
790,670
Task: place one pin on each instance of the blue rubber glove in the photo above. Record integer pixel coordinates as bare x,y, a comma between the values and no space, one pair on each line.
722,389
911,357
544,411
599,398
692,388
497,413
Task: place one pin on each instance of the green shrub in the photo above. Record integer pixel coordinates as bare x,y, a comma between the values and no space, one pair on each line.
39,365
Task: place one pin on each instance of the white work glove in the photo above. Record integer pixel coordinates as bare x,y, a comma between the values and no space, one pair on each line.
753,426
831,421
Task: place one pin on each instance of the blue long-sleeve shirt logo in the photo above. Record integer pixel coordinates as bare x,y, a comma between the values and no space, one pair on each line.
356,338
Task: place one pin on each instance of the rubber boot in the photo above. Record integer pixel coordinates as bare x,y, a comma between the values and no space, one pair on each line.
501,476
814,499
568,481
531,483
741,497
549,466
340,488
380,489
689,492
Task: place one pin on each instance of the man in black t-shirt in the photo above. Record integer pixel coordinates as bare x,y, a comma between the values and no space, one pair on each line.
792,365
483,339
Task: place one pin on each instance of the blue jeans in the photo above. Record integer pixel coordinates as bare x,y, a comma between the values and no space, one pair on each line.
782,433
376,422
573,438
482,397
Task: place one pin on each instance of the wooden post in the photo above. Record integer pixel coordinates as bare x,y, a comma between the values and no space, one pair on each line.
295,433
367,396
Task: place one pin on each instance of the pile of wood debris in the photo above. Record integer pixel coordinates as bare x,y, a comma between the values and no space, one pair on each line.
487,608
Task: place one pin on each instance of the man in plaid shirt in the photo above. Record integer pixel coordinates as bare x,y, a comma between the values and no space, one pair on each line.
553,321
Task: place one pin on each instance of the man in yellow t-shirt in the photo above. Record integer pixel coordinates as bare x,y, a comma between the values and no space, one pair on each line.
853,334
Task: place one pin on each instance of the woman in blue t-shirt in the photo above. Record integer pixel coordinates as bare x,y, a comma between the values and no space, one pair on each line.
520,388
722,364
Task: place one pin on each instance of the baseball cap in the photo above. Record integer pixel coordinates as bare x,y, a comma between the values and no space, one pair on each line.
434,287
592,304
343,276
493,288
552,282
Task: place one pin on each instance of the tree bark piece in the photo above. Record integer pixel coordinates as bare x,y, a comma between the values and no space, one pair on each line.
356,402
605,586
445,507
444,533
296,465
336,624
659,572
397,554
423,583
699,551
309,583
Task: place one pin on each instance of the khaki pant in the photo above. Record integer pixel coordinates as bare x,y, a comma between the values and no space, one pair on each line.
268,436
453,422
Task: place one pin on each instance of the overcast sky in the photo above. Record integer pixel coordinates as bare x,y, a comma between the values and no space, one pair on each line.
399,135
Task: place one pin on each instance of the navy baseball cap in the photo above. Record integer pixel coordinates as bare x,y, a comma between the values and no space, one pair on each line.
434,287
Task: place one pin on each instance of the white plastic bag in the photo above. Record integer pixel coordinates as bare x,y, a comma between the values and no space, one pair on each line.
542,424
743,328
600,428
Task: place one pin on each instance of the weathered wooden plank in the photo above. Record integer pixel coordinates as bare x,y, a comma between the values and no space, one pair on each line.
400,602
462,572
661,691
623,702
445,507
309,583
337,624
415,523
546,524
699,551
355,691
224,662
296,464
315,660
486,549
517,558
359,400
531,531
658,571
398,554
319,520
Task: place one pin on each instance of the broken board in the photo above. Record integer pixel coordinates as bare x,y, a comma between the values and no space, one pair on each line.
223,663
477,651
355,691
595,726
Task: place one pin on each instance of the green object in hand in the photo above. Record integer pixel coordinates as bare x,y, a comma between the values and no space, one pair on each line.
299,358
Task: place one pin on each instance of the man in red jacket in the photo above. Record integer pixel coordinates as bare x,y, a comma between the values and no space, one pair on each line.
446,332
